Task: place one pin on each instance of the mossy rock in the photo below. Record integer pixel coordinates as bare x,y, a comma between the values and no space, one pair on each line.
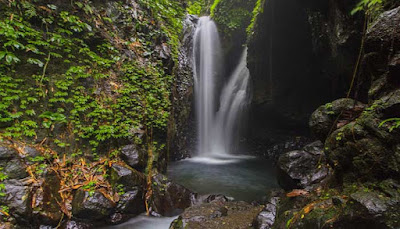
127,177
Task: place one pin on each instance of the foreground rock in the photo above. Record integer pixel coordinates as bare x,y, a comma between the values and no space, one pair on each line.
127,178
266,218
18,197
169,199
91,206
218,215
303,168
363,205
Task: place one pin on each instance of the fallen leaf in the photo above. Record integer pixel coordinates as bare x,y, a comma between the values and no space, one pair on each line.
297,192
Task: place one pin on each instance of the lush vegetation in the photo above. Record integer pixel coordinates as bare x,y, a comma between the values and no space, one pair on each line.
196,7
76,87
259,8
56,80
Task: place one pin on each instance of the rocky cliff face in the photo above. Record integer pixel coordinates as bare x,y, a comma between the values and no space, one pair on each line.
360,146
301,54
184,133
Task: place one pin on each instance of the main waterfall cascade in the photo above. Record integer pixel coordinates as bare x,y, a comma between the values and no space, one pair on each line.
218,120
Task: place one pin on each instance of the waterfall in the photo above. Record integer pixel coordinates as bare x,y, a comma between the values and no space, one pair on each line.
233,105
218,120
206,53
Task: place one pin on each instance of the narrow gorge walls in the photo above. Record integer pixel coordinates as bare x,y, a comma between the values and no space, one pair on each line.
301,54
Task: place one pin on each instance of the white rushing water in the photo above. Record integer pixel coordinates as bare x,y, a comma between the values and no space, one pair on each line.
218,119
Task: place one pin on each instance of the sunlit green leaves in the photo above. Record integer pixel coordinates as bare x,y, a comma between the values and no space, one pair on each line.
371,7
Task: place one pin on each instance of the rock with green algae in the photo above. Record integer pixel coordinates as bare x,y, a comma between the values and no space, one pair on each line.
126,177
325,119
367,147
373,205
218,215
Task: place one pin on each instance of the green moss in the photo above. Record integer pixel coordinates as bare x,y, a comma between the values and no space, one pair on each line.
258,9
213,7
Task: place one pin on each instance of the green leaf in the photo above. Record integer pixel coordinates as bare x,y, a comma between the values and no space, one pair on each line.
2,54
35,61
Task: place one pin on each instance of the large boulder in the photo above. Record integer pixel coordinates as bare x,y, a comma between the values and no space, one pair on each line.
131,202
14,168
18,197
91,206
380,65
11,163
134,156
127,178
7,152
168,198
330,116
303,168
368,148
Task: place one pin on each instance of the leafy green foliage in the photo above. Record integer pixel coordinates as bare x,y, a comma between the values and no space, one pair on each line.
371,7
62,78
2,185
231,15
196,7
392,123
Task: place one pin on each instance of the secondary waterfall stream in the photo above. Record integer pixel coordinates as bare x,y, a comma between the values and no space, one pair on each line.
218,121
